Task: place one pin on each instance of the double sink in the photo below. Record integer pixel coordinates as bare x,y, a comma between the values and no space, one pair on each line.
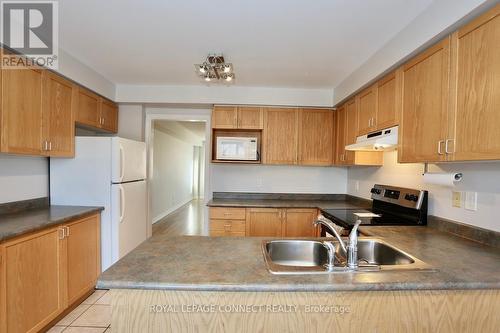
286,256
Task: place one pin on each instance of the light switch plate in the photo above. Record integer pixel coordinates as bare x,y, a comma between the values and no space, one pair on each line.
471,200
457,199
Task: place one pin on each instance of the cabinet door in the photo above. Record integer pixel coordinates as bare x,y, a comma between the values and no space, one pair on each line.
109,116
21,111
280,136
88,112
83,256
386,103
250,117
59,101
33,289
225,117
424,116
299,223
476,54
351,124
316,137
340,135
264,222
367,101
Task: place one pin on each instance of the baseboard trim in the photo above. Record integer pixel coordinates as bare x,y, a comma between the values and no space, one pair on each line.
171,210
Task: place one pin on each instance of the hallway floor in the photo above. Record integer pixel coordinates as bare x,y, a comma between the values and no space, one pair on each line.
188,220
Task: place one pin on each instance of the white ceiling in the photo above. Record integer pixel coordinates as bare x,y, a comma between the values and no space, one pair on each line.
287,43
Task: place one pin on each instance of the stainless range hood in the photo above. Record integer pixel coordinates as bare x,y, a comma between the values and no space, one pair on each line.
383,140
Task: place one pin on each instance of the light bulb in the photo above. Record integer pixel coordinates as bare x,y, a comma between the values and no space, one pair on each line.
229,78
202,69
207,78
227,69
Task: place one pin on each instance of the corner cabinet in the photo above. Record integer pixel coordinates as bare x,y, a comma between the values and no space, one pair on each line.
96,112
475,118
44,273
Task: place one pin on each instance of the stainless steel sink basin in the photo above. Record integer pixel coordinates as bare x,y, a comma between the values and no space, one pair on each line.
286,256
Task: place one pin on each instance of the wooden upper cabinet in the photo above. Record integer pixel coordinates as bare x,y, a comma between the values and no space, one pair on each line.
351,131
21,111
250,117
225,117
299,223
340,135
59,104
280,136
387,115
34,286
476,87
83,256
109,116
89,106
424,103
264,222
367,110
316,137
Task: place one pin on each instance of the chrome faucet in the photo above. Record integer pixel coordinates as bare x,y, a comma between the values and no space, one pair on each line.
351,249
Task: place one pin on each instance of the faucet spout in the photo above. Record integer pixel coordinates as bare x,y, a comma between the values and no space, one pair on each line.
352,249
329,224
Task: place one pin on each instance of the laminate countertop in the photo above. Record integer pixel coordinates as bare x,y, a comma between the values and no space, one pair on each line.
291,203
20,223
237,264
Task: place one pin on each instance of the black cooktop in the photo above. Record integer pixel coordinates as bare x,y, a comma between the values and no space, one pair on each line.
347,217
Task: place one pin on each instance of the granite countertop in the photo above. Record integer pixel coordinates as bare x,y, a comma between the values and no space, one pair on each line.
290,203
237,264
20,223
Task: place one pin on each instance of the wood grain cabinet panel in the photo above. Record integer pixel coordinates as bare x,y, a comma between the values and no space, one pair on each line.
299,223
264,222
83,256
351,129
315,137
424,102
109,116
225,117
386,103
341,118
367,111
250,117
89,105
21,111
476,84
227,213
33,291
59,104
280,136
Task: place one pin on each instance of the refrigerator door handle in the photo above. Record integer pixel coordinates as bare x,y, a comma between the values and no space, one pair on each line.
122,203
122,164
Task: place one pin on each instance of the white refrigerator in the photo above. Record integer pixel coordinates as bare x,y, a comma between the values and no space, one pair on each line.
108,172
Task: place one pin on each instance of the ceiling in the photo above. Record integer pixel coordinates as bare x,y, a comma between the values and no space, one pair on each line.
188,131
287,43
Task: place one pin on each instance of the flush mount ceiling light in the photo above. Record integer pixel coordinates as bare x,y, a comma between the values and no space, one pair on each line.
215,69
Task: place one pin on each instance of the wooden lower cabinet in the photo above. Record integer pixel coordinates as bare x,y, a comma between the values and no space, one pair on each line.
299,223
45,272
264,222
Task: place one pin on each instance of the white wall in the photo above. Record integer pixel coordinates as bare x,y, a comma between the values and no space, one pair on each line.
438,19
131,122
224,95
278,179
171,184
483,178
23,178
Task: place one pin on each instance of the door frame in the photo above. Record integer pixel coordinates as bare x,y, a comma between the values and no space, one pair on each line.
149,138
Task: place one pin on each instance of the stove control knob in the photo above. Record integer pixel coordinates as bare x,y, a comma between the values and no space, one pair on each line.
375,191
414,198
411,197
408,197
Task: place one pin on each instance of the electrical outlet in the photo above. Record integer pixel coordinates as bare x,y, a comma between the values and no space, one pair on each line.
457,199
471,200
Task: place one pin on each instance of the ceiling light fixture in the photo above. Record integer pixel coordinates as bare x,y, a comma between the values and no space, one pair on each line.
214,68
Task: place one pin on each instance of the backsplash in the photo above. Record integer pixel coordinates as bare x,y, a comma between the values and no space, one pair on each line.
483,178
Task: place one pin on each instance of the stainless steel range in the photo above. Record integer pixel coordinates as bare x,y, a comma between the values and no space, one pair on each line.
391,206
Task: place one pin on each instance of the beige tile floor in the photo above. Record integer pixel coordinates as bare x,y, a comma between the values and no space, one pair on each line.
92,316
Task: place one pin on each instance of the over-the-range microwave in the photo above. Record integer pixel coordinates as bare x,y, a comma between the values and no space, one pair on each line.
237,148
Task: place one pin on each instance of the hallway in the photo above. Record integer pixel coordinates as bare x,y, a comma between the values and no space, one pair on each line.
188,220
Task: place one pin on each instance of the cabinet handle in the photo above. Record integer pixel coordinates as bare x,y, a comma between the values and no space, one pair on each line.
227,227
440,142
50,145
67,231
61,234
45,145
446,145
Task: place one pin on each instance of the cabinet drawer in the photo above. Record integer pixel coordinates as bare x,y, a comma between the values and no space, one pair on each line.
228,225
222,213
222,233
